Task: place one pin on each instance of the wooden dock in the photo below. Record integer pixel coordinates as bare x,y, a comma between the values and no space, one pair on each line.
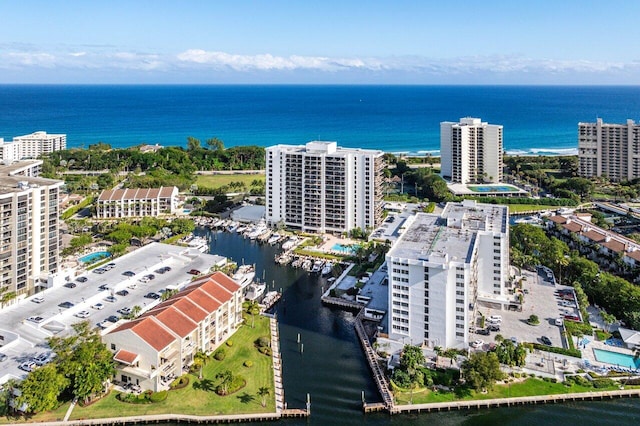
342,303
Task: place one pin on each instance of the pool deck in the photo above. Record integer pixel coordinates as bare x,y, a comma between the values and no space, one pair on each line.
331,240
464,189
589,355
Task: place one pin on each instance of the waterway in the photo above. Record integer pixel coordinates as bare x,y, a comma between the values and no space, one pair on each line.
332,370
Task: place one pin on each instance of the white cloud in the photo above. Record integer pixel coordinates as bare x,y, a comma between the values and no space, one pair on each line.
497,68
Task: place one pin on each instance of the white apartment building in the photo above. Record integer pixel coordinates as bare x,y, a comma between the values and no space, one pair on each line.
137,202
29,228
153,349
10,151
38,143
320,187
471,151
611,150
441,267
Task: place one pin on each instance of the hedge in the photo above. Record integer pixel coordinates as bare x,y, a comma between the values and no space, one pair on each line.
569,352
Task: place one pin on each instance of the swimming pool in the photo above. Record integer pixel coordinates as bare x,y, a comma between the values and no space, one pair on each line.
615,358
347,250
94,257
492,188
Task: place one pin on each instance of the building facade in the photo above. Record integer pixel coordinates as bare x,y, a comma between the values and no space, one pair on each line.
29,227
38,143
471,151
137,202
320,187
442,267
153,349
611,150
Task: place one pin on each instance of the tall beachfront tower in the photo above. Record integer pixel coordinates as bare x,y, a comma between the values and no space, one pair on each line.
442,268
38,143
611,150
320,187
471,151
29,227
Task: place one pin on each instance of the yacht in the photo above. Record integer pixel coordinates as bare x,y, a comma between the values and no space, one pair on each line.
255,290
244,275
274,239
290,243
317,266
327,268
199,243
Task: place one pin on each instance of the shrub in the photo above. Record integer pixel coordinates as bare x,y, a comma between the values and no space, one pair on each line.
265,350
248,363
158,396
220,354
569,352
229,343
263,342
603,383
533,320
179,383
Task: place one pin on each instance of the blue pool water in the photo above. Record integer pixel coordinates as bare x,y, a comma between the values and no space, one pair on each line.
344,249
501,188
94,257
615,358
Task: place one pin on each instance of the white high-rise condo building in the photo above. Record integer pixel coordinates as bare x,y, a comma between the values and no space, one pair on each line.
611,150
471,151
29,230
442,267
320,187
31,146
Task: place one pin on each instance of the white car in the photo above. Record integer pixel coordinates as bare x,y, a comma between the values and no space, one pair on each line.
477,344
132,286
37,299
97,306
83,314
495,318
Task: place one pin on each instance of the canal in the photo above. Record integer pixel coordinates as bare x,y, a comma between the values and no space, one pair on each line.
330,367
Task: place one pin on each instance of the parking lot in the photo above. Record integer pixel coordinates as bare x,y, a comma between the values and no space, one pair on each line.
25,325
541,298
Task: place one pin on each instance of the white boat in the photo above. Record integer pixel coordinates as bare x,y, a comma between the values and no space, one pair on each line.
274,239
255,290
290,243
307,264
199,243
256,233
531,220
244,275
327,268
317,266
232,227
241,229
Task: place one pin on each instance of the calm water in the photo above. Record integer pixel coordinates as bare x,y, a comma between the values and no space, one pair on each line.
392,118
333,371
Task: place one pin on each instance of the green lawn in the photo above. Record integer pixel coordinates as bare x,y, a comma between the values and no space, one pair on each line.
216,181
516,208
529,387
199,397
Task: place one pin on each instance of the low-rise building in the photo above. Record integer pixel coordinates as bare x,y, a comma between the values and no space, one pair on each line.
137,202
155,348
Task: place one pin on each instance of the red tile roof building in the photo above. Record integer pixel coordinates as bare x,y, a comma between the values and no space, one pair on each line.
137,202
154,348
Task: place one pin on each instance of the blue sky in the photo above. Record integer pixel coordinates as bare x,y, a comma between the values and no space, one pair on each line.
320,42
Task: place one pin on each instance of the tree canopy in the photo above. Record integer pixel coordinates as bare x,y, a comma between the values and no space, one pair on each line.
481,370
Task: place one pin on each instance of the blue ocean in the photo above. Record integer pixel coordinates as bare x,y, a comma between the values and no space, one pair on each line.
536,120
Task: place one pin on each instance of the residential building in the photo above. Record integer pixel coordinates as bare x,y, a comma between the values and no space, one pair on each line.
442,267
38,143
29,228
10,151
611,150
320,187
471,151
137,202
154,348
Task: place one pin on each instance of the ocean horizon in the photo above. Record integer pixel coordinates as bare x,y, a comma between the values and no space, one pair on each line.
537,120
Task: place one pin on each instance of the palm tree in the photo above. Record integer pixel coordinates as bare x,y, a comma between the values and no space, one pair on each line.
200,360
226,378
263,392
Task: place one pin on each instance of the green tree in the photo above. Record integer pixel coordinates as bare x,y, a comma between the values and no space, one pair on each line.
263,392
200,360
6,296
215,144
226,378
41,389
182,226
481,370
193,144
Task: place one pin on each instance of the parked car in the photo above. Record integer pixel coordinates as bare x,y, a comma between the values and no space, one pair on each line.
66,305
99,271
194,272
82,279
545,340
3,357
83,314
477,344
483,331
35,319
70,285
150,276
124,311
152,295
495,318
122,293
98,306
110,265
112,318
129,273
103,287
558,322
38,299
44,358
494,327
110,299
27,366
